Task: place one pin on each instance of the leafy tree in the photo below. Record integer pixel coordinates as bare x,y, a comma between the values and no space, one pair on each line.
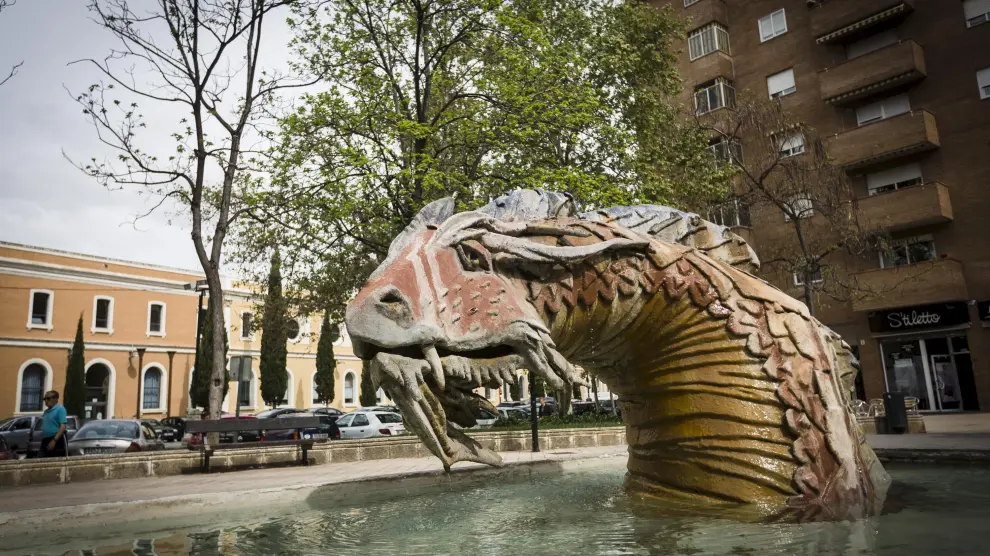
515,390
785,175
538,385
471,98
74,396
274,335
369,394
326,364
203,376
202,59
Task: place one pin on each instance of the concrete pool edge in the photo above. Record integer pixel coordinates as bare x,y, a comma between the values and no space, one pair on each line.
187,511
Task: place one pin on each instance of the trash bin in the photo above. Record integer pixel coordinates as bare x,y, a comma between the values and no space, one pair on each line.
894,408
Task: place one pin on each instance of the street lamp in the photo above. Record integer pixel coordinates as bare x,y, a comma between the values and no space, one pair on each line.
168,395
140,352
534,418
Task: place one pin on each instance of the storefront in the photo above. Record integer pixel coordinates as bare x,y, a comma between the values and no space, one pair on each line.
925,354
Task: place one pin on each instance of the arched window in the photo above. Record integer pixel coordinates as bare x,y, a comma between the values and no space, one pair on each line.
349,389
33,387
152,388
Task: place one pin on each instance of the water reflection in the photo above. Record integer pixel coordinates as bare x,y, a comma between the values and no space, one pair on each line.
590,513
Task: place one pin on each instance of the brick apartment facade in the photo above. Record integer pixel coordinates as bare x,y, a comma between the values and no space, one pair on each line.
900,91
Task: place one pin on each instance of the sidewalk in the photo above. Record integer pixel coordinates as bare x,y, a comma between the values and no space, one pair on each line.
34,497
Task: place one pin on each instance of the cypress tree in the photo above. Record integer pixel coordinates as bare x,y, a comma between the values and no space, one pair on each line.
326,364
515,390
369,394
200,391
538,385
274,335
74,396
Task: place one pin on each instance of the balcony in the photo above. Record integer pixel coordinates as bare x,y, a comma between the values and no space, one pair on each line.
894,137
893,66
935,281
704,12
838,20
710,67
912,207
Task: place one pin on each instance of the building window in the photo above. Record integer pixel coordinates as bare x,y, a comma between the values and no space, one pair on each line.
790,145
103,314
690,2
781,84
976,12
288,399
816,278
293,329
773,25
349,389
726,151
983,82
152,388
714,95
909,251
872,43
40,310
893,179
240,372
33,379
708,39
247,325
800,207
156,318
883,109
729,214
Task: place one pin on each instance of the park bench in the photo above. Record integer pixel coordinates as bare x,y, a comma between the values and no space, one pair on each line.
259,425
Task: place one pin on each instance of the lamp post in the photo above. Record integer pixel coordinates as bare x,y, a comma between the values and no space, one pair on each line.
168,395
140,352
534,418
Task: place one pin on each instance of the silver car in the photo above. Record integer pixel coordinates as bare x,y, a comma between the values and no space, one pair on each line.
114,436
17,432
368,424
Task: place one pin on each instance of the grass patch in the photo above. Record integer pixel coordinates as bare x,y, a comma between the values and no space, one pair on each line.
586,420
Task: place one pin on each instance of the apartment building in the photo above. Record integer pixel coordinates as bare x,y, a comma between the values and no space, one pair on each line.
137,318
900,89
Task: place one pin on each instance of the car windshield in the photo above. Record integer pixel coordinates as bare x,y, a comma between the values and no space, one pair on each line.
107,429
268,414
153,422
389,417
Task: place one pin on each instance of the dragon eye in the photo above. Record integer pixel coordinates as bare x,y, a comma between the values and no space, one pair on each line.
473,259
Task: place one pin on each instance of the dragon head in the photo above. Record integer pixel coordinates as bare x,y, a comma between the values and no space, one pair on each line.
447,312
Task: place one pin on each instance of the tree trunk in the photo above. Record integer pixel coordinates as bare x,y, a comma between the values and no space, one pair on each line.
219,363
594,393
807,296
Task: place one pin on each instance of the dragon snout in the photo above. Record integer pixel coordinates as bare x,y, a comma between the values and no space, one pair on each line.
384,318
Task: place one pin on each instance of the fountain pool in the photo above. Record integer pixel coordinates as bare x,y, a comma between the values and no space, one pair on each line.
930,510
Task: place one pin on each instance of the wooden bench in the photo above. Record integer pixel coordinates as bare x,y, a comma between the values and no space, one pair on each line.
237,425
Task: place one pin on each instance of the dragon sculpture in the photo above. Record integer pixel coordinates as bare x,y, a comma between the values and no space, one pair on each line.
733,396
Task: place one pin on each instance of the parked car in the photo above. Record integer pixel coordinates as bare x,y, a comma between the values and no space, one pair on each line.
177,423
332,412
17,432
5,452
114,436
270,413
507,413
519,406
34,439
164,432
368,424
386,408
326,430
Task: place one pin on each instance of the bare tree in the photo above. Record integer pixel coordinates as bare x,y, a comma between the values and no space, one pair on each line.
4,4
785,175
202,56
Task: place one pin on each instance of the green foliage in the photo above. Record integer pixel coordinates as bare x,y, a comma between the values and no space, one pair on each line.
369,394
74,396
515,390
326,364
561,421
274,335
538,385
470,98
200,391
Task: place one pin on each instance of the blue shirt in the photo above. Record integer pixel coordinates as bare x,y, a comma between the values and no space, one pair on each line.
52,420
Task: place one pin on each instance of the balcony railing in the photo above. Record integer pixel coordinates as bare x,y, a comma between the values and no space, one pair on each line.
836,20
935,281
893,66
719,95
911,207
884,140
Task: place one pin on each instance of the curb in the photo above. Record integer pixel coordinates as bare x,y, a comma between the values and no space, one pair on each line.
909,455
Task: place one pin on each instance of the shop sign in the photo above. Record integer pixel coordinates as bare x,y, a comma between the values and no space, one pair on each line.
983,307
921,317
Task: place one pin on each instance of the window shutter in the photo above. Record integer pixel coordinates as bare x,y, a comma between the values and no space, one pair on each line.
893,175
869,113
871,44
973,8
779,82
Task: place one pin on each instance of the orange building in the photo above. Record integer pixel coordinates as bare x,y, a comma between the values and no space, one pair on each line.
138,319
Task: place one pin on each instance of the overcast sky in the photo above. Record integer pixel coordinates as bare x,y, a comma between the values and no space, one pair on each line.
44,200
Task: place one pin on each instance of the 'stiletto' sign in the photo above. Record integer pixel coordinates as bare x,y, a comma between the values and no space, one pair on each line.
907,319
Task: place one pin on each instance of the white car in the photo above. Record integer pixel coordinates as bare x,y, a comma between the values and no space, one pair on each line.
484,419
369,424
506,413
